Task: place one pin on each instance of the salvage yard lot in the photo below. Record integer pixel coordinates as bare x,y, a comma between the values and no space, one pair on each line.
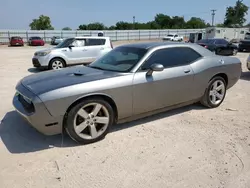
189,147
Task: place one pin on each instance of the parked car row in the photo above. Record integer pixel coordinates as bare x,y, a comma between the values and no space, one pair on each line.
219,46
34,41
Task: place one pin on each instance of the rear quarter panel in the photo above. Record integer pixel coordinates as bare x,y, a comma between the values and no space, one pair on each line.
207,67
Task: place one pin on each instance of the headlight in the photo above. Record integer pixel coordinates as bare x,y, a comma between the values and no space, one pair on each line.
42,53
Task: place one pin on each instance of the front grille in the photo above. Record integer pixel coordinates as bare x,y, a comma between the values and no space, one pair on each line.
26,103
36,62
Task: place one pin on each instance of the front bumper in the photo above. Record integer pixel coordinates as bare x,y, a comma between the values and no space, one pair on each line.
40,61
38,116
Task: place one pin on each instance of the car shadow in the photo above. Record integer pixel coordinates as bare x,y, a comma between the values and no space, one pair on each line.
19,137
36,70
245,76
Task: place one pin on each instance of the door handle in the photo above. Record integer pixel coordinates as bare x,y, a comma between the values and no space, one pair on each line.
101,48
84,49
64,50
187,71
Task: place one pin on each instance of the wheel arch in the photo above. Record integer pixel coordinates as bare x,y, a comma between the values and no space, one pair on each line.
105,97
57,57
223,75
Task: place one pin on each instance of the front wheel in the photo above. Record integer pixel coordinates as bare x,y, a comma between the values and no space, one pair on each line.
89,121
56,64
215,93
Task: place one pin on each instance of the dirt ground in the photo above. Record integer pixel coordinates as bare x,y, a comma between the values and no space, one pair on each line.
191,147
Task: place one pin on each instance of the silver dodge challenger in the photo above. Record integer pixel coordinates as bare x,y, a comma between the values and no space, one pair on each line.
130,82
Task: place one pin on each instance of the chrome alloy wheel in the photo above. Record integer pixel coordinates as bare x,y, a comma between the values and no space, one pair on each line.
57,65
91,121
217,92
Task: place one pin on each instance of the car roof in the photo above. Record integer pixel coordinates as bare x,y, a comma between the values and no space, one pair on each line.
90,37
150,45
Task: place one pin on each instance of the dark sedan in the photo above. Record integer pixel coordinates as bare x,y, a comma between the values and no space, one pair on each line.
244,45
219,46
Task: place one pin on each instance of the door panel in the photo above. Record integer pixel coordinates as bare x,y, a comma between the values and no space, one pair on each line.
161,89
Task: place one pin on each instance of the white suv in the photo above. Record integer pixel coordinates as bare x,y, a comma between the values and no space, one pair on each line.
77,50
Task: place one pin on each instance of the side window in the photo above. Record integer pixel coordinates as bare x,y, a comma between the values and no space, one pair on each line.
176,36
95,42
221,41
171,57
79,43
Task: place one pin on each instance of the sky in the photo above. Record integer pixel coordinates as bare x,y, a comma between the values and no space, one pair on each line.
18,14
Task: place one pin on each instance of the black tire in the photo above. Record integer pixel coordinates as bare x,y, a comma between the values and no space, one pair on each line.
56,59
69,126
205,100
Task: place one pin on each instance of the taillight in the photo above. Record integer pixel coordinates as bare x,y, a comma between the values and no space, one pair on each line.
111,44
206,46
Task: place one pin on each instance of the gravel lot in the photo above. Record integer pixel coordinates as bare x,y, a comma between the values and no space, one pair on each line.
190,147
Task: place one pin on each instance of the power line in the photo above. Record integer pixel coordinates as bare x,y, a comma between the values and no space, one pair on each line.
213,14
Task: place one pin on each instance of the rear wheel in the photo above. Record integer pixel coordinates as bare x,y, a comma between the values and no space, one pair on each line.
89,121
215,93
56,64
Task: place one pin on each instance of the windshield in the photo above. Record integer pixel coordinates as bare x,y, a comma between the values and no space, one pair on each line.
65,43
120,59
35,38
247,36
206,41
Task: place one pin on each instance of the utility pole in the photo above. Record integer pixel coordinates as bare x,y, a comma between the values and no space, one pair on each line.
213,14
134,22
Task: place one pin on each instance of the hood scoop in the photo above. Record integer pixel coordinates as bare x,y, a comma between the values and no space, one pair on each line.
78,73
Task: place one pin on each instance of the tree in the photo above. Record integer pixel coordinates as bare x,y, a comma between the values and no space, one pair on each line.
67,29
95,26
164,21
82,27
42,23
123,25
235,16
177,22
195,23
220,25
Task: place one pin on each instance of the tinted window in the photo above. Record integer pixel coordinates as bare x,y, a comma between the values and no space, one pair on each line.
206,41
171,57
35,38
95,42
79,43
16,38
65,43
120,59
220,41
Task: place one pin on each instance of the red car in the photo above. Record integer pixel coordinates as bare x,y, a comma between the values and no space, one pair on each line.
36,41
16,41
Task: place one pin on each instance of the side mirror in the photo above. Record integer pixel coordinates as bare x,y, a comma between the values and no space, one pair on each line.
71,46
155,67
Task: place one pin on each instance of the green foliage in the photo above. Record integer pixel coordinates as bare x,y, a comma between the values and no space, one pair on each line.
67,29
195,23
42,23
235,16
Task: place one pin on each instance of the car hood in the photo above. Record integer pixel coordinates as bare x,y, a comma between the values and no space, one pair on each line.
50,80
